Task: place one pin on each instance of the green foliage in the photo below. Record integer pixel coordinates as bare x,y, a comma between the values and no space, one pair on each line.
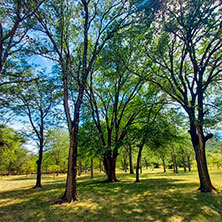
12,154
214,146
54,168
28,166
56,150
215,160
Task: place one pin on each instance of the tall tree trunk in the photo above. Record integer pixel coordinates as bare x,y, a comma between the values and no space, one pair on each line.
188,163
130,160
91,167
39,166
79,168
139,158
70,194
198,141
164,164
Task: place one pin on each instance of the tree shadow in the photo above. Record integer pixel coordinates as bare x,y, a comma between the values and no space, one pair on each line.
162,200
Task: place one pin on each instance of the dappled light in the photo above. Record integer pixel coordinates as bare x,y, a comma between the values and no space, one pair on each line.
158,197
110,110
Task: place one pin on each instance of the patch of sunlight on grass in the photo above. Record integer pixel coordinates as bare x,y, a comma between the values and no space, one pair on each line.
159,197
209,210
175,218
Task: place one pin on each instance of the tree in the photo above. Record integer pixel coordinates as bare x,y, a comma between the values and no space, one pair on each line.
56,149
28,166
11,152
36,101
113,96
129,150
152,125
89,146
76,32
186,60
14,26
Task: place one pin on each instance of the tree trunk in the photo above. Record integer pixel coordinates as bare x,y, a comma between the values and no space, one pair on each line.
110,167
39,166
184,164
188,163
91,167
141,169
124,163
198,141
79,168
130,160
139,159
175,167
100,166
164,165
70,194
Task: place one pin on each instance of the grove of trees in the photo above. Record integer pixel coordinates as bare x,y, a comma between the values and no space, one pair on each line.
110,84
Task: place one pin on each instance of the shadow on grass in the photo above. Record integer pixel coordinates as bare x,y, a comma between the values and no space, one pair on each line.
162,200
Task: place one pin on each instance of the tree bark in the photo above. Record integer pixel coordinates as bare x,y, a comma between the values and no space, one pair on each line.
92,168
139,158
100,166
110,167
79,168
175,167
184,164
39,166
164,165
124,164
188,163
130,160
141,169
199,141
70,194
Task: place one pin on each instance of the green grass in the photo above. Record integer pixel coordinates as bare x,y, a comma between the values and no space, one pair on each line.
159,197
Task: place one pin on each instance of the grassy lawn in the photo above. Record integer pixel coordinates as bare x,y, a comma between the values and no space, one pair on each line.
159,197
